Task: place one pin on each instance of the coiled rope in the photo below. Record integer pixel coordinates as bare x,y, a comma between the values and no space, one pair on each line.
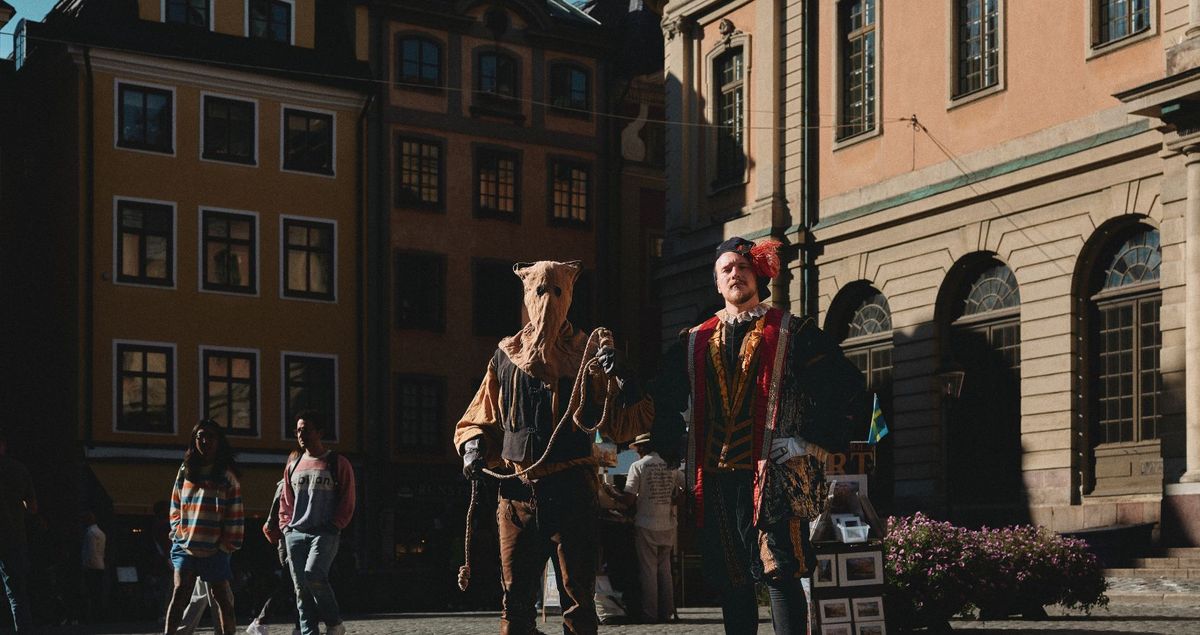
589,364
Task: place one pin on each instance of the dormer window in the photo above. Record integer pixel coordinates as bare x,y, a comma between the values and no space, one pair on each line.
270,20
197,13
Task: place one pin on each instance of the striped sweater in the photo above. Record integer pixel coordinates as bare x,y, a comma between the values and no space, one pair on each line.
207,516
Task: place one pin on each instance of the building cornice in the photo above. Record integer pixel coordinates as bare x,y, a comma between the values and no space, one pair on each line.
219,78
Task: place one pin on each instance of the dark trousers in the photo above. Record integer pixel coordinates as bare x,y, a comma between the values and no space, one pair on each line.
97,598
555,518
737,555
14,576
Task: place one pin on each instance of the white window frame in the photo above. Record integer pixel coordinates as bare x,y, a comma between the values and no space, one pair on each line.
117,83
202,378
291,27
333,146
953,99
337,394
283,257
212,12
837,39
201,255
116,388
1091,50
206,94
115,275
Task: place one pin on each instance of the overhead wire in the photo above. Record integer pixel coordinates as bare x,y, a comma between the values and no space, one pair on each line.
522,100
990,197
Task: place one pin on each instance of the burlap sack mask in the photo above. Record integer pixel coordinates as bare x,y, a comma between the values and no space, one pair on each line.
548,347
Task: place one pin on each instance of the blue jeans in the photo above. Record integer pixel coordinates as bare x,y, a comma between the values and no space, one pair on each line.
14,573
311,556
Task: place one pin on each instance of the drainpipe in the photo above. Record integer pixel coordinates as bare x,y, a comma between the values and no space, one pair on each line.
809,191
89,232
360,270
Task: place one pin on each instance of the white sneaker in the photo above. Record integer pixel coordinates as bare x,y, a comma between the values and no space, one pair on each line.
254,628
338,629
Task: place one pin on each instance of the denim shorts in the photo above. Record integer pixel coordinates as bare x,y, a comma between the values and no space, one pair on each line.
214,568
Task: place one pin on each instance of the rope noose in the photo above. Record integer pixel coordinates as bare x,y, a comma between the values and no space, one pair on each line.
599,337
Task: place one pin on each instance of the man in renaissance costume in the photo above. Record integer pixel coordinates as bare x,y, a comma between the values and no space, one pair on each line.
551,509
771,397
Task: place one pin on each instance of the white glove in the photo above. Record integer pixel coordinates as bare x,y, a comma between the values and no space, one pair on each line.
784,449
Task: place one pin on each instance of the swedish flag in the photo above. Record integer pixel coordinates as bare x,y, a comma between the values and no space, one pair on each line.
879,427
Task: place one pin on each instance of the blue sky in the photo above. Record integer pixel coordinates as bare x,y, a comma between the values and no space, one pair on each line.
31,9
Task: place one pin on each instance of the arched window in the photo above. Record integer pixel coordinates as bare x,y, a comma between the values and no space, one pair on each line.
868,341
1127,339
982,414
862,320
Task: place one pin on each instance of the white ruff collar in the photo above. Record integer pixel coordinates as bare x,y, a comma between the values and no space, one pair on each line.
745,316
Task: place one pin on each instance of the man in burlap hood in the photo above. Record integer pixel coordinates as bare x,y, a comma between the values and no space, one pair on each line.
551,510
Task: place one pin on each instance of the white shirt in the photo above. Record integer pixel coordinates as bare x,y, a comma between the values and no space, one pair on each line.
653,483
93,548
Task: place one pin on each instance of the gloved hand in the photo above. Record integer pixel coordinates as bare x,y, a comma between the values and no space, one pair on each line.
787,448
472,454
612,362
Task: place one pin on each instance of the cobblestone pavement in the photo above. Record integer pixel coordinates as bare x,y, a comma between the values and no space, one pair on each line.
1118,618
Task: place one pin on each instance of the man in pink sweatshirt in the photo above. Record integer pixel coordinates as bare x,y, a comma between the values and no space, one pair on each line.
316,504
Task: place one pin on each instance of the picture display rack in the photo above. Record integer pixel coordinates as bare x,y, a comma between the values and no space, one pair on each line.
847,583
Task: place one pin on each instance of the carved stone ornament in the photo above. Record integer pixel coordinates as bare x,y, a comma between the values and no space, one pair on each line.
678,25
727,30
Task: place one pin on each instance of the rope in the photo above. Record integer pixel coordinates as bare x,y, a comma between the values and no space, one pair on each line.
464,572
600,337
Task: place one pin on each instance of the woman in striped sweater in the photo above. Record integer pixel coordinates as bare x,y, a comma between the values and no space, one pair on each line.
206,523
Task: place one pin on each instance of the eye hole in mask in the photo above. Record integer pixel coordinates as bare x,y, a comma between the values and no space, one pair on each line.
541,290
558,291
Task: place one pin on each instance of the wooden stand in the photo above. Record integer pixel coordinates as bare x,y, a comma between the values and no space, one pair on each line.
847,584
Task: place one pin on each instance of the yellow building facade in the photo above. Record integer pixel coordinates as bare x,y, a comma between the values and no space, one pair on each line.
201,194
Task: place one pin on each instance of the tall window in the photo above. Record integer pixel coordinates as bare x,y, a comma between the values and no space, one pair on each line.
271,20
230,252
309,258
307,141
1128,340
497,76
231,390
145,243
420,411
497,175
145,120
189,12
419,179
977,45
983,421
729,76
229,129
496,298
419,61
569,88
420,300
145,382
1116,19
570,190
856,32
310,383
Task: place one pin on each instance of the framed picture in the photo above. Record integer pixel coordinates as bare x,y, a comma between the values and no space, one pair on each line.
860,569
868,608
848,483
826,572
833,611
836,629
870,628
